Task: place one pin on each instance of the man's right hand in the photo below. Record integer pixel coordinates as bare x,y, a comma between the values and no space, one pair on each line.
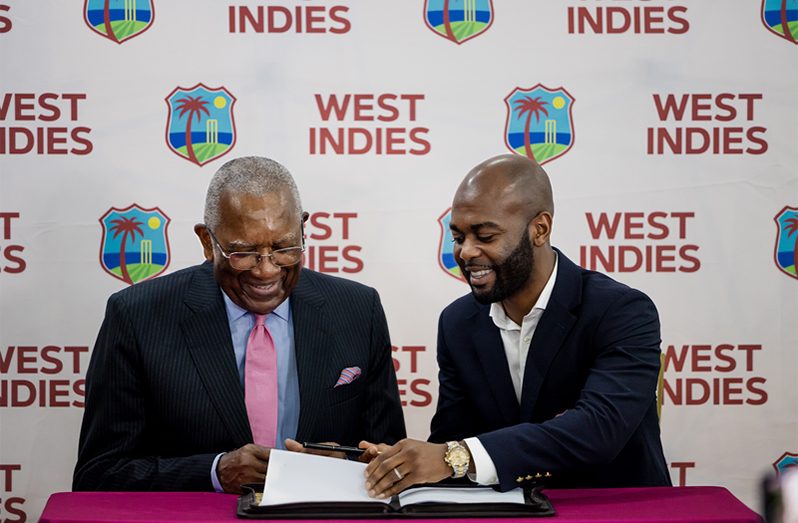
244,465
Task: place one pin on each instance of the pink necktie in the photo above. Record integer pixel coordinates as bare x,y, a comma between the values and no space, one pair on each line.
260,384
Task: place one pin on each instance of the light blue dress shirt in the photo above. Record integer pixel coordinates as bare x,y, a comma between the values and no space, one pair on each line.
281,327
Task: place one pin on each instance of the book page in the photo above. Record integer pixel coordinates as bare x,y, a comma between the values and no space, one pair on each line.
294,477
459,495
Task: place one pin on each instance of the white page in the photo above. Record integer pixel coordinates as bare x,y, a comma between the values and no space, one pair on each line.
293,477
460,495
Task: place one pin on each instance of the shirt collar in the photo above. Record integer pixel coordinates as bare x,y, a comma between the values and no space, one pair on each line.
234,312
503,321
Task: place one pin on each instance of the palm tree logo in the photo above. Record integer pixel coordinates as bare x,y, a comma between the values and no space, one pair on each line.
135,246
786,250
128,227
200,126
539,122
118,20
530,106
193,105
458,20
781,18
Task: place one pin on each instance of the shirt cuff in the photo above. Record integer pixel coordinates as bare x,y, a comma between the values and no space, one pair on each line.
214,478
485,469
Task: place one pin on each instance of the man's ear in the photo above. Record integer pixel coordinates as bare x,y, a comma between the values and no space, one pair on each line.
540,229
205,239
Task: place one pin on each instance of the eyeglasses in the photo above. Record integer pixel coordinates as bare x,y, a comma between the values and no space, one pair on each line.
245,261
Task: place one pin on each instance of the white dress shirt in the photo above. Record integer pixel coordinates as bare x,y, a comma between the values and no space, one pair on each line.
516,339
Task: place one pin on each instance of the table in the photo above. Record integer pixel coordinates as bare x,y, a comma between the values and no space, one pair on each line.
657,504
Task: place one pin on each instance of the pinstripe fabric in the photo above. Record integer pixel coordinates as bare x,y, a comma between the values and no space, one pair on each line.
163,395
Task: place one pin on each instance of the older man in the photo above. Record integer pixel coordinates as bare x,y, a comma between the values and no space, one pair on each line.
548,372
196,375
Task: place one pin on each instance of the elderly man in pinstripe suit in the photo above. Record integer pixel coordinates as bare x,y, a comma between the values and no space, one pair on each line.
166,401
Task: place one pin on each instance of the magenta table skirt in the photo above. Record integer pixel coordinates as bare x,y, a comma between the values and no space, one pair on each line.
661,504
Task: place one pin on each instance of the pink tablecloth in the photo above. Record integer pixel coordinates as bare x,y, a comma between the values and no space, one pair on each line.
677,504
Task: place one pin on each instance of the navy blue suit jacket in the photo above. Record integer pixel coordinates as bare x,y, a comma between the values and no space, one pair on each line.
164,397
588,415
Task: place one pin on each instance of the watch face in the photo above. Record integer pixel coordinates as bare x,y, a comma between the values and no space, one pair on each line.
458,456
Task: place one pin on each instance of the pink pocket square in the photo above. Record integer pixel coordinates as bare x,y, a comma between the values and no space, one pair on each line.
348,375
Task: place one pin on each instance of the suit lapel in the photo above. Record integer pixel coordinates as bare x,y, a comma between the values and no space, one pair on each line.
553,328
490,351
208,339
315,346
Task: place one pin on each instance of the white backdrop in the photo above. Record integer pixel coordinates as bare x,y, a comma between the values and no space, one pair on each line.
83,132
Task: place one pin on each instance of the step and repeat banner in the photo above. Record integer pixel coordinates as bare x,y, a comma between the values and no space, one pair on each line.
669,129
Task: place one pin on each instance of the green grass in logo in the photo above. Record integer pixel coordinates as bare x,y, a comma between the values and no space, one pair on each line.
123,28
793,29
139,271
543,151
462,30
790,269
203,151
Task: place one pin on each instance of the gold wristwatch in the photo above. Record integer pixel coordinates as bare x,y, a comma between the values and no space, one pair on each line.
457,457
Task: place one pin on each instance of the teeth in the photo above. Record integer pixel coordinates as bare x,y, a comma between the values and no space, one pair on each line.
480,273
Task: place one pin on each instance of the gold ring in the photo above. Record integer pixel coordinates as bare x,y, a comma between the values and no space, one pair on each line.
398,474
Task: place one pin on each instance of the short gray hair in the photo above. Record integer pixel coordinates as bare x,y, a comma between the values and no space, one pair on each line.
254,175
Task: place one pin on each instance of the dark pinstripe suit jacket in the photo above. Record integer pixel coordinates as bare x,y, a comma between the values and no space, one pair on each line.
163,395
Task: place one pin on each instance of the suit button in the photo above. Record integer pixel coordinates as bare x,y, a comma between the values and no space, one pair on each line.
548,474
538,475
529,477
519,479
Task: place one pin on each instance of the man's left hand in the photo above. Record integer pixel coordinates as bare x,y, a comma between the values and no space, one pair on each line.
407,463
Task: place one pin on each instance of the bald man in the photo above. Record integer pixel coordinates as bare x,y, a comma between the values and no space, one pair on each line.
548,372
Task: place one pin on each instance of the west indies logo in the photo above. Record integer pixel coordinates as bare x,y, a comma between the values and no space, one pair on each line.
446,248
539,122
787,460
781,18
118,20
786,251
200,127
458,20
134,246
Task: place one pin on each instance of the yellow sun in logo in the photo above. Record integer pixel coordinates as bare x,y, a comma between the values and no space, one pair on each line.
219,102
154,222
558,102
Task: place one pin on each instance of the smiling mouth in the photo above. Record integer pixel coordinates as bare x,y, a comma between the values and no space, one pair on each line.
262,290
478,275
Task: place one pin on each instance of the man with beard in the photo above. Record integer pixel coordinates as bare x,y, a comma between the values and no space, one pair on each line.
548,372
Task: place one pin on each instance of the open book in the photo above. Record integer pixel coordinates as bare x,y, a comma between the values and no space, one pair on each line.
310,486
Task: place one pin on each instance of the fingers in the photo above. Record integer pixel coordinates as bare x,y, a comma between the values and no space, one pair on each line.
293,445
384,474
372,450
247,464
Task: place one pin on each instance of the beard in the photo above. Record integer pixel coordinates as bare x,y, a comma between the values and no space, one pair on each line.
511,274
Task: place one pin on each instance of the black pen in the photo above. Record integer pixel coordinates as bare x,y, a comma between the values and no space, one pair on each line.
350,451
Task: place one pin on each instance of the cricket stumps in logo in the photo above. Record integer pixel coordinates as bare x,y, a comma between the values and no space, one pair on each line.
200,126
781,18
458,20
118,20
539,122
135,246
786,250
446,248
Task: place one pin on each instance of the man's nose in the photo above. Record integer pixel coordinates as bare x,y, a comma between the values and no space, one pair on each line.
468,250
266,268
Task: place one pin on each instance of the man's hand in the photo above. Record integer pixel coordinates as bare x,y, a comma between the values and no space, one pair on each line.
245,465
407,463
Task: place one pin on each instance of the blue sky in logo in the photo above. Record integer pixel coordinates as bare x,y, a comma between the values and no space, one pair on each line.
773,11
447,246
558,106
153,226
218,104
786,462
786,242
435,11
94,10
